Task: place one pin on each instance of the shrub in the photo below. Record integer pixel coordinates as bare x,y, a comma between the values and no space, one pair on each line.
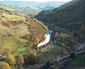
4,65
72,55
20,60
36,41
11,60
31,56
5,50
48,64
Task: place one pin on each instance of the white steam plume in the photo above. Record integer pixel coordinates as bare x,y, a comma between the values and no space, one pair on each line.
47,39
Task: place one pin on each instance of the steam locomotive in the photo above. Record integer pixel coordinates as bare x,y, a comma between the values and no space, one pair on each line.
52,34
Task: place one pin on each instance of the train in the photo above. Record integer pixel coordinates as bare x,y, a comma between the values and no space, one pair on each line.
49,38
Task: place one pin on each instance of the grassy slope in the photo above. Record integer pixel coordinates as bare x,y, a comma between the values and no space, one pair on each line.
20,50
65,16
14,29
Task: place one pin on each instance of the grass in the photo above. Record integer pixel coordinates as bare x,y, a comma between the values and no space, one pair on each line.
20,50
7,8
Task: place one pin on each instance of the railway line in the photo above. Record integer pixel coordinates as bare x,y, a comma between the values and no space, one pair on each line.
61,58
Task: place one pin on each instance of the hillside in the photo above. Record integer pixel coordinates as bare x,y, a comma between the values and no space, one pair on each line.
69,16
19,10
15,31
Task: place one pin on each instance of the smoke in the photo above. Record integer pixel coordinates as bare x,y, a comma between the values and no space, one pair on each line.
47,39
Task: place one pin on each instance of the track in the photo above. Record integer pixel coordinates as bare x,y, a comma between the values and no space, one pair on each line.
61,58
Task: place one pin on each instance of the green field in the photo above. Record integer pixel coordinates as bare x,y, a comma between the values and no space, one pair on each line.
20,50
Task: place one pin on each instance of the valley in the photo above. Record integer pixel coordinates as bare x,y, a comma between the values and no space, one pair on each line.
42,35
60,17
35,5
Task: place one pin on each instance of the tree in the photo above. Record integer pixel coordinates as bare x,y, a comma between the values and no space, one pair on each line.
58,59
57,34
4,65
72,55
81,33
48,64
20,61
31,56
29,51
59,41
27,36
11,60
5,50
36,40
35,66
